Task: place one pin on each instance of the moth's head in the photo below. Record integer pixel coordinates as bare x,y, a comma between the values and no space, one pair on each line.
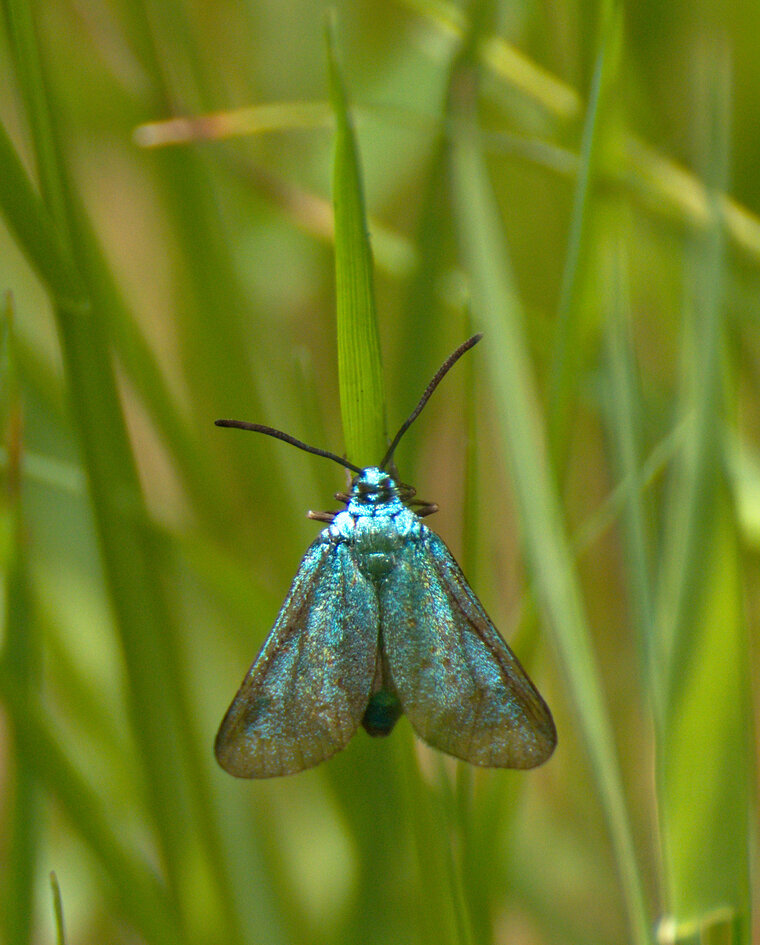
373,485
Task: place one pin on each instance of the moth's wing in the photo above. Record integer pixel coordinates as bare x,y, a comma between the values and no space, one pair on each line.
305,694
460,685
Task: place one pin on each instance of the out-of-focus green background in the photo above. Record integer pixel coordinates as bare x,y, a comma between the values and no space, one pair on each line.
577,180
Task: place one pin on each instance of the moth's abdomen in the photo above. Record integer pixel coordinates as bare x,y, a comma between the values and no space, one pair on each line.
382,713
376,541
377,564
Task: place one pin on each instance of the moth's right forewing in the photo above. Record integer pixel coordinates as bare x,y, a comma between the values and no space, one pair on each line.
306,693
459,684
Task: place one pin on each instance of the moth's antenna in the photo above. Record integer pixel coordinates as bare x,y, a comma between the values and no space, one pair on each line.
442,371
279,435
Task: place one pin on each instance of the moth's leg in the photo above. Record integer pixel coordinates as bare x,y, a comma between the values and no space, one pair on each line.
321,516
424,508
406,492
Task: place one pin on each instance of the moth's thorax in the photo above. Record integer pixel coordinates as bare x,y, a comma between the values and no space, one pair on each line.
376,522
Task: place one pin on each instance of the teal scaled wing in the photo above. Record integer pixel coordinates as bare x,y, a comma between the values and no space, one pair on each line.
460,685
305,694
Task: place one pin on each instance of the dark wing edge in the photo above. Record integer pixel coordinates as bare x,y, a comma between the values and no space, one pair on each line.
532,702
462,688
305,694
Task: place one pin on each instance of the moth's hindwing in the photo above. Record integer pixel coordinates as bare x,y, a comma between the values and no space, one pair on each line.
460,685
307,691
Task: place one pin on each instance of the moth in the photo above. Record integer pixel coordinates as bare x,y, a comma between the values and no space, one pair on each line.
380,621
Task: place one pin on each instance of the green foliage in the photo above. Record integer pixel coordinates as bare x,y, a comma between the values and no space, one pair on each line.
361,381
591,457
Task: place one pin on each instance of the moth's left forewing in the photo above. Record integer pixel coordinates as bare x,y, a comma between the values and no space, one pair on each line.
306,693
460,685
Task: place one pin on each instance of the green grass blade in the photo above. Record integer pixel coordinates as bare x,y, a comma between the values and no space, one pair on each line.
21,654
33,226
570,340
200,475
497,308
362,400
654,180
437,911
624,417
514,68
47,252
163,726
143,900
649,474
217,344
363,410
57,910
705,753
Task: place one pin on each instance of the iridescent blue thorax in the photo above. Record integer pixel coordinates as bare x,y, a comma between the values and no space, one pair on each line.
376,522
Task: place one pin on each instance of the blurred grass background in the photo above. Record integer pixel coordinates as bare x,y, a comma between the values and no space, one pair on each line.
576,180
